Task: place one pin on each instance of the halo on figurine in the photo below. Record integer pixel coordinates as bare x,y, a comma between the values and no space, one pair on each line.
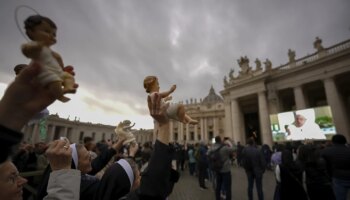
18,8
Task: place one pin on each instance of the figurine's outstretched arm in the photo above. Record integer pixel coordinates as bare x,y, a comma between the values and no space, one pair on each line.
128,127
167,93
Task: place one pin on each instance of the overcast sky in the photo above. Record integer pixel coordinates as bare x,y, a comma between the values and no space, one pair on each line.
113,45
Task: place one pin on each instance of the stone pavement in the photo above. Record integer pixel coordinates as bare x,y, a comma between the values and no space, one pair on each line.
188,187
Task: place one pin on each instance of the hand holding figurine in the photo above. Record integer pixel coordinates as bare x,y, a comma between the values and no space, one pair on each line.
24,98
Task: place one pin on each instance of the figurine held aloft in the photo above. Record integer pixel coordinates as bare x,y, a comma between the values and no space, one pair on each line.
42,31
174,111
124,129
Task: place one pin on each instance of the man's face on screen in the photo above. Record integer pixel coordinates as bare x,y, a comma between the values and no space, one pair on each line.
299,120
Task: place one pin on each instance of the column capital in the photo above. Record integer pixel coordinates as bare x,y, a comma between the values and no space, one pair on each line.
328,79
262,92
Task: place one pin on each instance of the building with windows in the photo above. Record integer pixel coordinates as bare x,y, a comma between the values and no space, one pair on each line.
209,112
55,127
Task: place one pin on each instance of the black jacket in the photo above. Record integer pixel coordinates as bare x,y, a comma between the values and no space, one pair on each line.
338,161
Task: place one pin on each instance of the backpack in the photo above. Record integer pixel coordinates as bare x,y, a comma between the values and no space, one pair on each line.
246,162
215,161
197,154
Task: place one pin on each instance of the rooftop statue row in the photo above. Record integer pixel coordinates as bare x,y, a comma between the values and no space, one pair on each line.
247,71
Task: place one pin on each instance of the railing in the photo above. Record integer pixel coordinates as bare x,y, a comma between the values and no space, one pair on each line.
315,56
28,187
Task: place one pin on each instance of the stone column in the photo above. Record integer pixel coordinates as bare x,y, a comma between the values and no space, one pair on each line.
338,109
216,126
264,119
50,132
181,132
299,98
35,134
228,119
196,133
235,121
205,138
202,129
187,133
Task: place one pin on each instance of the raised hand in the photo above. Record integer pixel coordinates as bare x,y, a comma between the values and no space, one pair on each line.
59,155
157,109
24,98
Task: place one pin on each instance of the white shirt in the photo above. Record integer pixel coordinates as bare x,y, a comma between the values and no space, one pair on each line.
309,130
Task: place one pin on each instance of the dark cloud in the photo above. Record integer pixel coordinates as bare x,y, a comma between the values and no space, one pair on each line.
194,44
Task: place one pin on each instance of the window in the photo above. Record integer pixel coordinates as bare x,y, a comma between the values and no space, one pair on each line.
211,135
192,136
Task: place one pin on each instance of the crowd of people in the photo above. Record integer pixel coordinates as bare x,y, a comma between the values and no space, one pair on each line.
126,170
71,171
309,170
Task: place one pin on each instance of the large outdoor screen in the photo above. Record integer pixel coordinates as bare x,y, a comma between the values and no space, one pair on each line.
308,124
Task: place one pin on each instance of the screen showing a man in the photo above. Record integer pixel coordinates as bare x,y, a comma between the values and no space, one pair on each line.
303,128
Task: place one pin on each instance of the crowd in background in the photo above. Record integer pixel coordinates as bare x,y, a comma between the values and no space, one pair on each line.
303,169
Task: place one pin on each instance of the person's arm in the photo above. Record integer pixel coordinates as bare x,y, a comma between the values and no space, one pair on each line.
102,160
133,148
278,173
21,101
64,182
158,179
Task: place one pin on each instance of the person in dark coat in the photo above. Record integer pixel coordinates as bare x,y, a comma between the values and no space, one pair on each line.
289,176
318,181
337,158
254,164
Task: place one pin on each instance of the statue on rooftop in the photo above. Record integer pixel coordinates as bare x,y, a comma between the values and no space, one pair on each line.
318,44
291,55
268,65
258,64
225,81
243,63
231,75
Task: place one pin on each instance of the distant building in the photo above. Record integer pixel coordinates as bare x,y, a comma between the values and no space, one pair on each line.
210,114
56,127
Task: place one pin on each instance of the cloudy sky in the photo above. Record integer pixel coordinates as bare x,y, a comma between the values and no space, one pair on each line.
113,45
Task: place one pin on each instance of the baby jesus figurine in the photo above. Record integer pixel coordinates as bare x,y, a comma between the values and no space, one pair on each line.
42,31
124,128
174,111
